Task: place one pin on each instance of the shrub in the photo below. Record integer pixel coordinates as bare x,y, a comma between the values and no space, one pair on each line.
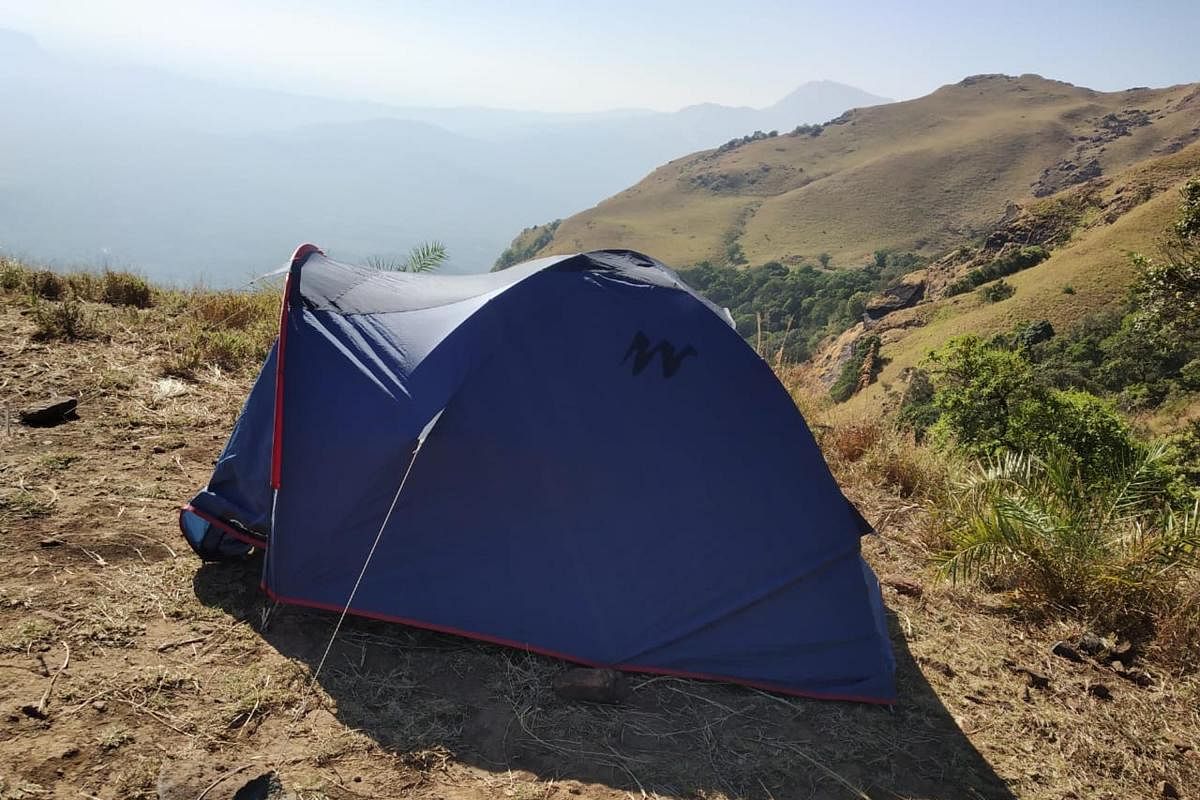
13,276
47,285
1085,426
977,389
125,289
1004,265
1000,290
990,401
67,320
1037,525
864,355
85,286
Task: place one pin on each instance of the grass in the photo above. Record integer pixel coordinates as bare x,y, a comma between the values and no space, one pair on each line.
231,331
1096,264
180,655
68,319
863,185
23,504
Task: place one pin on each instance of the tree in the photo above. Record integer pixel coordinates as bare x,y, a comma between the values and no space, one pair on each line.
1168,289
825,258
978,389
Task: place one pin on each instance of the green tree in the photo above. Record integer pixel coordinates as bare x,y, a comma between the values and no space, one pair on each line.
978,389
1168,289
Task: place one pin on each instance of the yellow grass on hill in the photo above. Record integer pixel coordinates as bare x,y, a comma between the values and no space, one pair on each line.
922,176
1096,267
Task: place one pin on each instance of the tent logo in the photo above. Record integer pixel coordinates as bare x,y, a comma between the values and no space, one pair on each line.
643,354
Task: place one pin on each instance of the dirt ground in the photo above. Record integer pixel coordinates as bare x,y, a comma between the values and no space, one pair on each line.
128,669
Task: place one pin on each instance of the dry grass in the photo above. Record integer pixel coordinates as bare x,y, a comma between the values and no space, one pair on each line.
865,184
183,674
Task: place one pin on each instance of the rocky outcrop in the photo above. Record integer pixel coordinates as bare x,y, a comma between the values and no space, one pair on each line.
909,291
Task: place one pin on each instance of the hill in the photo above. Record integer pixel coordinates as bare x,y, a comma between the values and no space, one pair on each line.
920,176
1088,233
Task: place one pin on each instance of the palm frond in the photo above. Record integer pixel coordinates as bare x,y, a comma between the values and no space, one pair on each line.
425,257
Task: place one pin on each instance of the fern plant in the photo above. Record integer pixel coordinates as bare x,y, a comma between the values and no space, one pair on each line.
424,257
1113,549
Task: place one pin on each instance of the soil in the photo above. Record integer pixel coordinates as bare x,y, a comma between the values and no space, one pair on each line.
182,681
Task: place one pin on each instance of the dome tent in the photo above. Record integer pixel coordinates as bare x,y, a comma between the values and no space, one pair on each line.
577,456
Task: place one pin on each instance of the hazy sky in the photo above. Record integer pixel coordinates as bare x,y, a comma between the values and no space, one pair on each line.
569,56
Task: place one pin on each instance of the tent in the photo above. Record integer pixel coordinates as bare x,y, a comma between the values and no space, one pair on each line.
577,456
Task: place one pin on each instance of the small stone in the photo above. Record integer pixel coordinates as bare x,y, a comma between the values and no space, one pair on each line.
158,448
1064,650
52,412
1090,643
135,446
100,706
591,685
49,542
1167,789
1099,691
904,586
1035,680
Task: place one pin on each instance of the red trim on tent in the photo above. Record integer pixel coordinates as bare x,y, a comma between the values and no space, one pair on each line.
483,637
298,258
241,536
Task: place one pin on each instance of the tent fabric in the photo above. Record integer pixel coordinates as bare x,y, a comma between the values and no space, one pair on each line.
615,477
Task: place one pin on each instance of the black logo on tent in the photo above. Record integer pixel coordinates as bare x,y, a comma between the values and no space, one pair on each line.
643,354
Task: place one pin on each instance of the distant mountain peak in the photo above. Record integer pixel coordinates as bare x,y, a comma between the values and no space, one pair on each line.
16,43
827,92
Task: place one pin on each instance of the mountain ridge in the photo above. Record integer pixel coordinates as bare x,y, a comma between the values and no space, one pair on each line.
920,175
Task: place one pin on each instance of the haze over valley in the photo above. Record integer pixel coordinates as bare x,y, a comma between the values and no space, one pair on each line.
186,180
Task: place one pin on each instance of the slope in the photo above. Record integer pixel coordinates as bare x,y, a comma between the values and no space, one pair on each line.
922,176
1091,270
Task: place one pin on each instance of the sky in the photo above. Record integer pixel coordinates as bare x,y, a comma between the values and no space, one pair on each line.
590,56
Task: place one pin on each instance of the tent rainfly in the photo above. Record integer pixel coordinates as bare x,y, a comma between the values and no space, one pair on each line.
577,456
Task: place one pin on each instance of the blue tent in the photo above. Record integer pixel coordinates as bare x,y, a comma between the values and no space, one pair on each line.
604,471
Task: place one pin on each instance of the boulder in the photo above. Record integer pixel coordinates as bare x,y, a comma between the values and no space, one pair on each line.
905,294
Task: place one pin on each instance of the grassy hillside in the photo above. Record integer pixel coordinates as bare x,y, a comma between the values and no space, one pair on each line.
920,176
1090,271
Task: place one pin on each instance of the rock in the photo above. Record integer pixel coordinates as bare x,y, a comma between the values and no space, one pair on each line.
1167,789
591,685
100,706
265,787
903,295
1124,652
158,448
1035,680
49,542
904,586
1139,676
1091,644
1099,691
52,412
1064,650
